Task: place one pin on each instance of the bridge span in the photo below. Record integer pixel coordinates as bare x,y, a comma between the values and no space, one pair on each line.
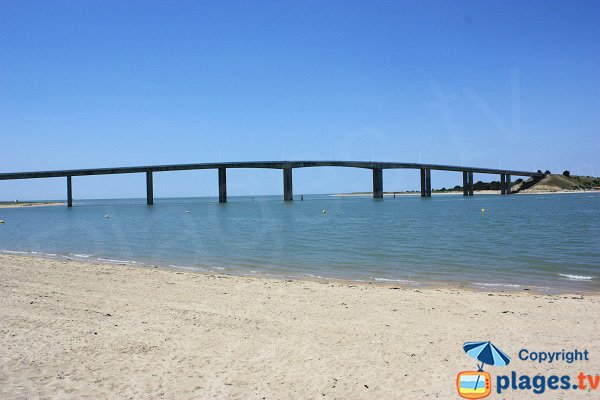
286,167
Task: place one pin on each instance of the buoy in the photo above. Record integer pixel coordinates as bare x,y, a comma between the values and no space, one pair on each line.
324,211
483,210
106,216
1,221
187,211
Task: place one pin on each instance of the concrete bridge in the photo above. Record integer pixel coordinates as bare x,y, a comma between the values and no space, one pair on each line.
286,167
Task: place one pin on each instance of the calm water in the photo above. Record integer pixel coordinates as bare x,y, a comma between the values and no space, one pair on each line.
551,242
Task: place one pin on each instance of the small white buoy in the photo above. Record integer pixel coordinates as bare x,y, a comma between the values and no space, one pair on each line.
324,211
187,211
106,216
1,221
483,210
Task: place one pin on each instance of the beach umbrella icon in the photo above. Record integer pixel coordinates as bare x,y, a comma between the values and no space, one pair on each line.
486,353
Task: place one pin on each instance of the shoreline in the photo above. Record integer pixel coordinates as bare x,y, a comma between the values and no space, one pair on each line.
484,192
77,329
44,203
500,287
24,204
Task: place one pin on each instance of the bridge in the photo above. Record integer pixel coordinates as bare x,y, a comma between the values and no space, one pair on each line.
286,167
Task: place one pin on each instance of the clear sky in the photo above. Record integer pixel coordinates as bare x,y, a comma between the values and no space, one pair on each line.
513,84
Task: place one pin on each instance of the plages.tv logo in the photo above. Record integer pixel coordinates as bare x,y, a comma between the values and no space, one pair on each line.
478,384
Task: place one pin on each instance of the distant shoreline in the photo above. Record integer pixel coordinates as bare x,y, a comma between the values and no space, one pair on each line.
21,204
494,192
26,204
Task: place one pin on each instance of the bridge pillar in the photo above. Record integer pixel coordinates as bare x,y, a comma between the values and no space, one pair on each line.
149,189
287,185
508,184
425,182
222,185
470,184
465,183
69,192
377,183
502,184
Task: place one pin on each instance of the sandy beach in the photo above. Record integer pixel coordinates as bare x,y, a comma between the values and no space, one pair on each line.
30,204
82,330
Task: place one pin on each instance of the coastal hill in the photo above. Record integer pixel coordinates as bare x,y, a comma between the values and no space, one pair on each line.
549,183
556,183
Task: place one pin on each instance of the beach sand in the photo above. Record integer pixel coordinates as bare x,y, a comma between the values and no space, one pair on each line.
80,330
29,204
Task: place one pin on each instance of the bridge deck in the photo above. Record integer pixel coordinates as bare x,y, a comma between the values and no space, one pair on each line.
260,164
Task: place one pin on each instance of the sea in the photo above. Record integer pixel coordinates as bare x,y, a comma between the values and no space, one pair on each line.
541,242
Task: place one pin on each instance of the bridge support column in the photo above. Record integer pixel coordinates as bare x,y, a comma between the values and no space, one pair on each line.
465,183
377,183
508,184
287,185
502,184
149,189
222,185
425,182
470,184
69,192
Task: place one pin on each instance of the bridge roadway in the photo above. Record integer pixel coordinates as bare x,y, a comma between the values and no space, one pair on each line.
287,167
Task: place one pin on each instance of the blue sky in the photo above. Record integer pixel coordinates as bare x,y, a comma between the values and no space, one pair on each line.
111,83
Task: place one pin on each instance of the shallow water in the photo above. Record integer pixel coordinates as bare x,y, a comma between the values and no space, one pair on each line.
546,242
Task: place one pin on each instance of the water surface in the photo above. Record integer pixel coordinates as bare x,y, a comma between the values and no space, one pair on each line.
548,242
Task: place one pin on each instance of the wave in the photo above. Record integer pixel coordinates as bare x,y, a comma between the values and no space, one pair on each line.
115,261
81,255
495,284
315,276
13,252
577,277
196,269
391,280
179,266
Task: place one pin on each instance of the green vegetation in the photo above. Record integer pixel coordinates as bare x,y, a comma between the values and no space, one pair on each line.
587,182
456,188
